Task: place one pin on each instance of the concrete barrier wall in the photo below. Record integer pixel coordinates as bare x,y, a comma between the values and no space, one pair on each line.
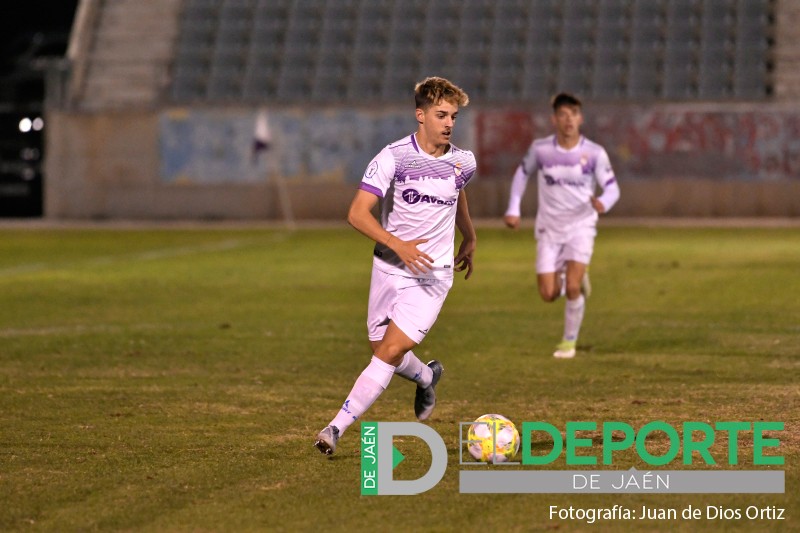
661,141
681,160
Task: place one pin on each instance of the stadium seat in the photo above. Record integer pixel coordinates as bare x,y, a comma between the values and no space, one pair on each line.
308,9
572,78
649,11
682,31
410,13
261,84
538,81
196,10
294,85
504,83
272,10
471,75
578,21
683,10
366,81
225,83
241,10
676,49
609,11
375,12
510,16
330,85
610,56
608,81
644,79
752,9
714,81
189,82
680,83
399,81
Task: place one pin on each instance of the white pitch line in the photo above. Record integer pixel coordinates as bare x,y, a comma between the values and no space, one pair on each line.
78,329
150,255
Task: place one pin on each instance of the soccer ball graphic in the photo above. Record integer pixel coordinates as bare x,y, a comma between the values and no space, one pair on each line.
493,439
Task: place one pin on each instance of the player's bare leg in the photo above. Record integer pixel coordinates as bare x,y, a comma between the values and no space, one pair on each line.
393,346
575,273
549,286
411,368
368,386
573,310
409,365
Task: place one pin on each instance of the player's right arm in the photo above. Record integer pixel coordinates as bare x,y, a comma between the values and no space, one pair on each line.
518,185
360,217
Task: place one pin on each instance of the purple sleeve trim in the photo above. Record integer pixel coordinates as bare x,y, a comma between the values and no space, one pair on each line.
369,188
609,182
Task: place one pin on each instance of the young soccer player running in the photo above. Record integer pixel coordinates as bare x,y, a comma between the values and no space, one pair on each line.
419,181
569,168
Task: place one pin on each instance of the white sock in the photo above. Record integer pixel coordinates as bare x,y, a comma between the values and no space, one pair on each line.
369,385
573,316
563,277
415,370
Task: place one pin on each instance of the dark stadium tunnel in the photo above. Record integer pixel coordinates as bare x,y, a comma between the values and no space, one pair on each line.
38,32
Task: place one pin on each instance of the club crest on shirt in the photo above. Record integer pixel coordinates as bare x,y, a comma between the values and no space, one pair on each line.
371,170
457,169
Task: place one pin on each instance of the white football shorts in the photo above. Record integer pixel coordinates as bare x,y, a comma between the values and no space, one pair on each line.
413,304
579,246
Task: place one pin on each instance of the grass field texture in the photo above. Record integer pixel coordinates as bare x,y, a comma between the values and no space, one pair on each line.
174,379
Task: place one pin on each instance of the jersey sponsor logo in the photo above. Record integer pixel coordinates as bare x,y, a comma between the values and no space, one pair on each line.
412,196
550,180
403,179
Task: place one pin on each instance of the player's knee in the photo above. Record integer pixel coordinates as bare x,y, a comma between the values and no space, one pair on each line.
573,291
548,294
391,353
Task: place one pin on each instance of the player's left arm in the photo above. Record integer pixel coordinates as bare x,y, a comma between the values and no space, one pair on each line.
469,240
605,177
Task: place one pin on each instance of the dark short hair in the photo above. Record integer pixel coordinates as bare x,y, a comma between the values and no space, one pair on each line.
565,99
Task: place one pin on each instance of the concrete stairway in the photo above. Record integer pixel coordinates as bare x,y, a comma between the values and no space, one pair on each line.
125,60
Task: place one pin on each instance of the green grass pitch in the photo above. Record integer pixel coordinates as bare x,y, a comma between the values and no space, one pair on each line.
173,379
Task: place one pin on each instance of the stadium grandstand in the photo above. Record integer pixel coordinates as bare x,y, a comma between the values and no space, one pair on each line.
163,102
502,51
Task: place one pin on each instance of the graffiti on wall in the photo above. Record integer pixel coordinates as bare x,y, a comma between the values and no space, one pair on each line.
657,143
253,145
335,145
208,147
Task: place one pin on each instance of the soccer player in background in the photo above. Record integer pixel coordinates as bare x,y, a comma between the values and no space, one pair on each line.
569,168
419,181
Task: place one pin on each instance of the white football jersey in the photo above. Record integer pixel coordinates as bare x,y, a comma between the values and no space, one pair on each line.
567,179
419,197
